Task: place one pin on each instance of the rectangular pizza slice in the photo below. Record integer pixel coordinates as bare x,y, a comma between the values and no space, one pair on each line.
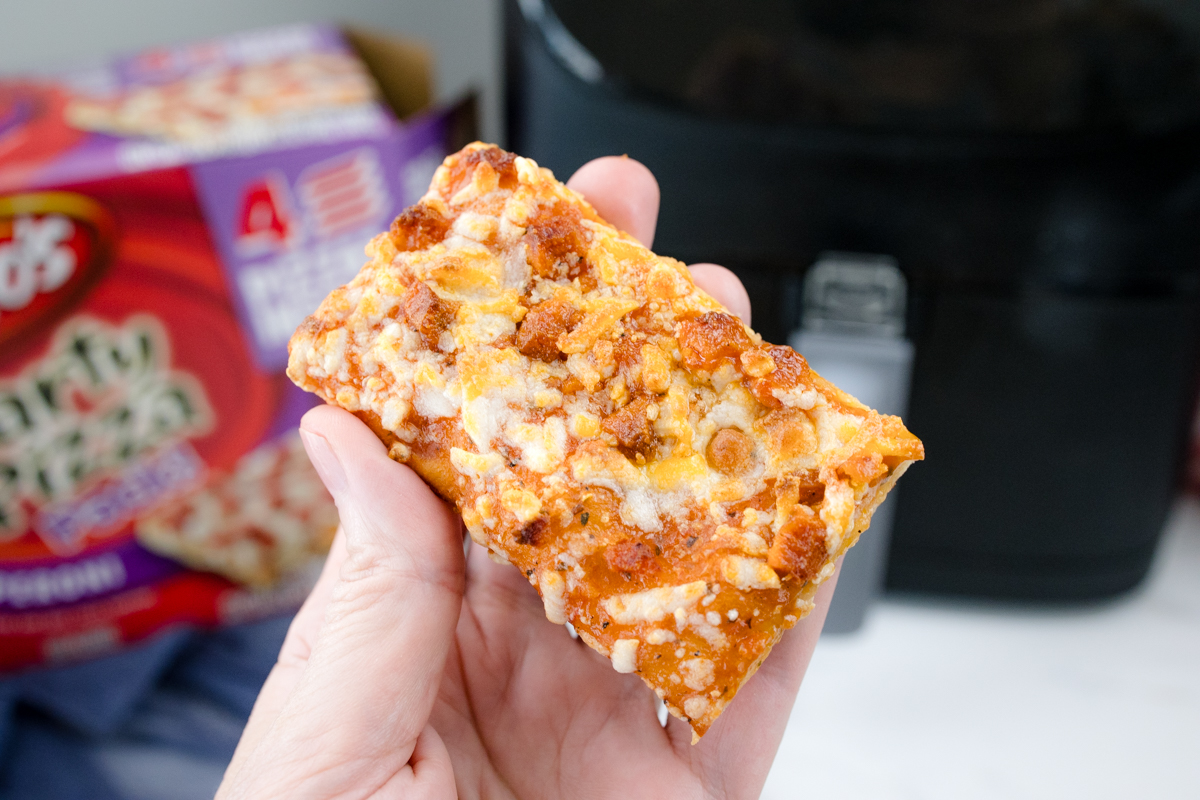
673,486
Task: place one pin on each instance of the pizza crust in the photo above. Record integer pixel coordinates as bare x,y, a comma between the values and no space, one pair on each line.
673,486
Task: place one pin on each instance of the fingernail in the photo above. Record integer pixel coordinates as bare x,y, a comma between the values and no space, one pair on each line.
324,461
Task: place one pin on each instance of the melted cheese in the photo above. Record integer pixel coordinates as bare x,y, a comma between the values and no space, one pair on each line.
624,655
652,605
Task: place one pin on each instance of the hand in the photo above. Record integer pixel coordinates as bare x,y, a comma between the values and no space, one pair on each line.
412,671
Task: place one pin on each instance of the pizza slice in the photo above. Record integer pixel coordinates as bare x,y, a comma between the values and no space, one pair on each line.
673,486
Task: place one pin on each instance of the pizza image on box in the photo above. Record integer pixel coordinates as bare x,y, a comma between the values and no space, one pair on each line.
673,486
256,525
215,103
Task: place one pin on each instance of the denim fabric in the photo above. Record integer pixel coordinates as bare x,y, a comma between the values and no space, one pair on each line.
159,722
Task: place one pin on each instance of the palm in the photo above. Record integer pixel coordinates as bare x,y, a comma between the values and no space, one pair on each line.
526,710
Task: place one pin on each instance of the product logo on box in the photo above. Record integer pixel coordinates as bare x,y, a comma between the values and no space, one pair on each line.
53,245
265,220
292,258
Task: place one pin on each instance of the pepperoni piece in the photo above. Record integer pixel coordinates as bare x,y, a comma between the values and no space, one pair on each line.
426,313
731,452
631,556
631,426
543,325
534,534
799,547
711,339
555,241
627,349
418,227
503,163
791,370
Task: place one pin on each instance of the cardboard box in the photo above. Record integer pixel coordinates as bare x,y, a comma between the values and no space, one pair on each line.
166,220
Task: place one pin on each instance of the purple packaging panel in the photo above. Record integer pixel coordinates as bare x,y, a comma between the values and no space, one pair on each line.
292,225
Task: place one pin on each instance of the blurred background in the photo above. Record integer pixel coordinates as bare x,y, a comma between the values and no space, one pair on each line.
984,217
464,34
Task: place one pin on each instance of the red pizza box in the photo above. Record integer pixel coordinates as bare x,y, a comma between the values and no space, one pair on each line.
166,220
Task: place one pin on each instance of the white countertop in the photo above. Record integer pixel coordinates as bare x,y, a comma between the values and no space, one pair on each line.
936,700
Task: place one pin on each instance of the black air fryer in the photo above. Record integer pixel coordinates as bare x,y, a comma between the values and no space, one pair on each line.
1032,170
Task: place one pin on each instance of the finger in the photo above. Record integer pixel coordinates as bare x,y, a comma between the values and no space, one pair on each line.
725,288
293,656
738,749
502,584
302,633
623,191
373,672
432,774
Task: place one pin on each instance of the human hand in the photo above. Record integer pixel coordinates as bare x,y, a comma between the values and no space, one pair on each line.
413,671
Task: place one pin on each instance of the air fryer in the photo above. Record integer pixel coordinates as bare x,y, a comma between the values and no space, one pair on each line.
1032,168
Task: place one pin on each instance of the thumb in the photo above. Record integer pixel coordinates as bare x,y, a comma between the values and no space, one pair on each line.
354,716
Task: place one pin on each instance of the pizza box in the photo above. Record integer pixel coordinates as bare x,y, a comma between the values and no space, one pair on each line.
166,220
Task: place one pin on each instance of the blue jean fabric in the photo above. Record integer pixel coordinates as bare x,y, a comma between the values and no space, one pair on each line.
158,722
